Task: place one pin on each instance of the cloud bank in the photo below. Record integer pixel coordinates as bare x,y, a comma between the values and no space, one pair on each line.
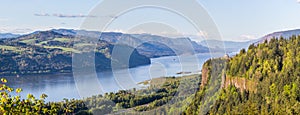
15,30
247,37
64,15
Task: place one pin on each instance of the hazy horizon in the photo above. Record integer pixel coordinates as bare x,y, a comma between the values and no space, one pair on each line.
234,19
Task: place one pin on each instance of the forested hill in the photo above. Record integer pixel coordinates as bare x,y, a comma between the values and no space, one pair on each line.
51,52
265,79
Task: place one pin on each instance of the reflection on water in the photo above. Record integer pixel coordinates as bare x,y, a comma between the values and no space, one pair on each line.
55,86
59,86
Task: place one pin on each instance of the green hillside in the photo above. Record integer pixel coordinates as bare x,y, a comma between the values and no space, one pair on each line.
265,79
50,52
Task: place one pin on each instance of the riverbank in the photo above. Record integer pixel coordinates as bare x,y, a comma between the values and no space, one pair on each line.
159,92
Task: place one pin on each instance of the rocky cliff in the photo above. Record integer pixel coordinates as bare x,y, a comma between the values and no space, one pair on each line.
214,69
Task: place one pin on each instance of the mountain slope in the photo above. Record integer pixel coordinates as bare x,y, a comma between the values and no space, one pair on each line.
51,52
8,35
284,34
159,45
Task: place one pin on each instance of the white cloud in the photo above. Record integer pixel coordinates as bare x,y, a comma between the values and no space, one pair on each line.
42,14
298,1
72,15
202,34
115,30
3,30
22,30
246,37
15,30
64,15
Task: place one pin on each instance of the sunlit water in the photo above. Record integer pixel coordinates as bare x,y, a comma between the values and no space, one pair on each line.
59,86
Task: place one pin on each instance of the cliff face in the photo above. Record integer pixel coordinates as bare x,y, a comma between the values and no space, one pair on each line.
205,74
241,83
215,68
213,72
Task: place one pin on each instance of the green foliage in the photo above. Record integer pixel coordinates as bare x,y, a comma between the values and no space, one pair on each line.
11,48
156,95
65,40
274,66
63,49
31,105
29,41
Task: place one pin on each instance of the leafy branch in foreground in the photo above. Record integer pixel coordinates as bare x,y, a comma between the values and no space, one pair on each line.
31,105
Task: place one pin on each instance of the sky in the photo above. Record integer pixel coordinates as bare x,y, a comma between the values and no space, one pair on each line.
236,20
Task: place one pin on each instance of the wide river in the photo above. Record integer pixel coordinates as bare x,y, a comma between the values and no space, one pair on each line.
59,86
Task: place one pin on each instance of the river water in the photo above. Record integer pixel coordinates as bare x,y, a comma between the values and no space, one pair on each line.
59,86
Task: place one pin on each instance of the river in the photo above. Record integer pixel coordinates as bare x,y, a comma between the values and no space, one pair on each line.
59,86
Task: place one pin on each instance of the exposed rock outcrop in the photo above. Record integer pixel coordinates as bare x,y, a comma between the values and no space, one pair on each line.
215,68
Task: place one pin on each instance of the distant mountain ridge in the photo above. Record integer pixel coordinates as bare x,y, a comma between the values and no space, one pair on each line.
8,35
229,46
52,52
146,44
157,46
232,46
284,34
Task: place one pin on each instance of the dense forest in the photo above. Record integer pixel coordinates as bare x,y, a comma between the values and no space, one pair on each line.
264,79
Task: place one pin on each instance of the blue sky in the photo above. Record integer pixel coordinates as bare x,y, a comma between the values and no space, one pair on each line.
237,20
